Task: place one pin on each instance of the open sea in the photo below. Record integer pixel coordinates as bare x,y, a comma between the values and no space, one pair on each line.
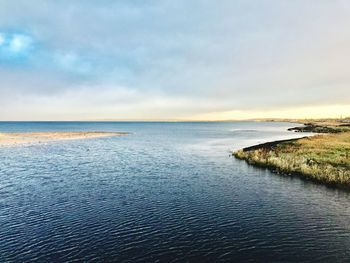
168,192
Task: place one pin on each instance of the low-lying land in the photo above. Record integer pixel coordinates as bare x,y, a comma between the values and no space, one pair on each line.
323,158
20,138
318,125
323,127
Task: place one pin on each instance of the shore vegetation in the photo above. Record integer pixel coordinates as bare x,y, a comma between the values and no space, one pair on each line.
324,158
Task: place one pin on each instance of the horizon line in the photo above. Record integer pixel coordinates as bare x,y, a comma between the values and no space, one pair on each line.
162,120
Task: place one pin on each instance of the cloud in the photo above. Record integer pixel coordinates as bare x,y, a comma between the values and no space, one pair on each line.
300,112
73,63
2,39
208,56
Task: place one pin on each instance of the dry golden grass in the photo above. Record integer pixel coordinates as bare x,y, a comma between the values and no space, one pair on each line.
324,158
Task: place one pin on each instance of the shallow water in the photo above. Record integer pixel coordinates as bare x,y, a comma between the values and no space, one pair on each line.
168,192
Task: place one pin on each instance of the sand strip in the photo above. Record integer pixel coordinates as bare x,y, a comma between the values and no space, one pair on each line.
21,138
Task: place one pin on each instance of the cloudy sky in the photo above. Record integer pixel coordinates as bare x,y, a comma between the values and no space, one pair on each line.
173,59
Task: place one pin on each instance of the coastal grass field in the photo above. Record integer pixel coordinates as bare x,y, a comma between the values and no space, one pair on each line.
323,158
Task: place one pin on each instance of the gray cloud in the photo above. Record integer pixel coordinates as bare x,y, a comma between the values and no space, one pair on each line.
185,57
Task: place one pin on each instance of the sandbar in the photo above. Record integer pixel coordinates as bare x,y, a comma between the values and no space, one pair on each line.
23,138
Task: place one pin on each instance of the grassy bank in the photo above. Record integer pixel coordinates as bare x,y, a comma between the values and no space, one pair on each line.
323,158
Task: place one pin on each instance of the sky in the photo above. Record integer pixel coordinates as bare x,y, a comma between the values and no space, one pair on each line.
174,60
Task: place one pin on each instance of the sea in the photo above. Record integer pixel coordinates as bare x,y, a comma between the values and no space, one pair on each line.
167,192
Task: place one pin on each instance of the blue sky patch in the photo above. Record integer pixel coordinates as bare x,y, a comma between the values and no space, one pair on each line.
15,47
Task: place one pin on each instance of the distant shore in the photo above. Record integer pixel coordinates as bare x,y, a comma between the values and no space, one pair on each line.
323,158
23,138
316,125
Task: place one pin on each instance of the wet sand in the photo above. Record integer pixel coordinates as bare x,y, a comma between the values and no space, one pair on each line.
23,138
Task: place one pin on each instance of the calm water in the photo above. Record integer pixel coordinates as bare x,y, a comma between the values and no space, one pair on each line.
169,192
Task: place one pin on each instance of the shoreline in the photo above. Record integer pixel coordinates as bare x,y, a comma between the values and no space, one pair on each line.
10,139
323,158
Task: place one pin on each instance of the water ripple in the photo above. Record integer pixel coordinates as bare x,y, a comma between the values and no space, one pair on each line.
168,193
